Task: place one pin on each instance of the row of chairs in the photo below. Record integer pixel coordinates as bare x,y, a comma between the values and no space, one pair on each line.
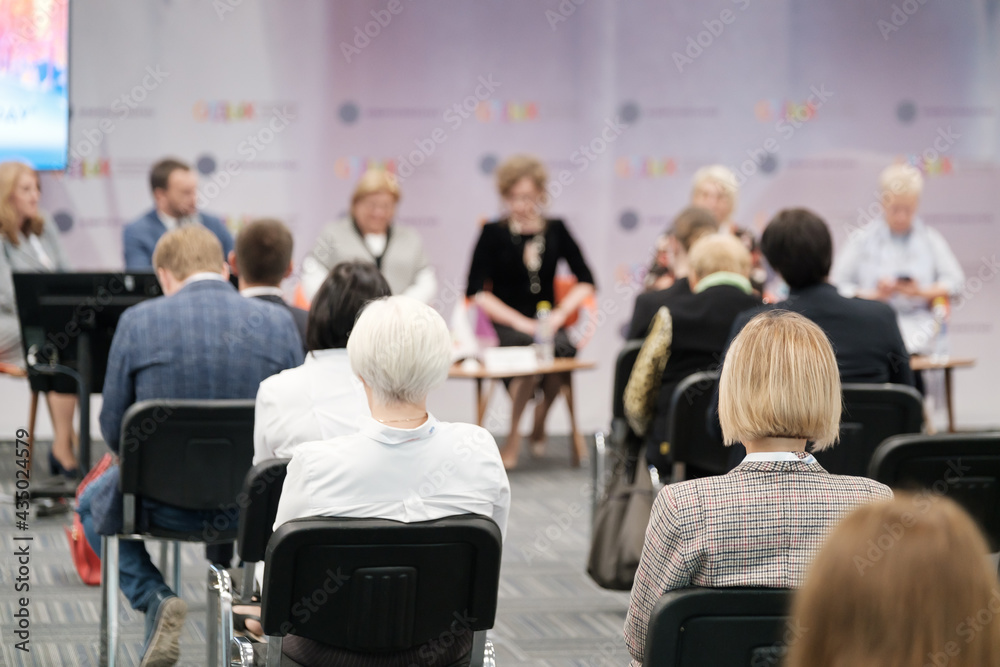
362,585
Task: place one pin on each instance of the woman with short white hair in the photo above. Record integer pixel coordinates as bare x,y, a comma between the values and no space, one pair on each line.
715,187
898,259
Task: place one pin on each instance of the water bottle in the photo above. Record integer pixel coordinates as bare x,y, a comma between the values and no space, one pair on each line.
939,307
544,336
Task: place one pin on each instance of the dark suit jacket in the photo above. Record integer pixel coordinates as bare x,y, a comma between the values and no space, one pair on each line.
139,239
647,303
701,324
301,317
205,341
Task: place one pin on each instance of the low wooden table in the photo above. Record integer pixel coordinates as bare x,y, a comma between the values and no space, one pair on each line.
561,365
947,364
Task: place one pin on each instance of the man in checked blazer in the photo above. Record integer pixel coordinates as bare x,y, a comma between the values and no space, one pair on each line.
761,524
202,340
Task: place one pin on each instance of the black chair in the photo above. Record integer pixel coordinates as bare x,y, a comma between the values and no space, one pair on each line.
191,454
872,413
691,443
258,504
625,444
718,627
964,467
378,585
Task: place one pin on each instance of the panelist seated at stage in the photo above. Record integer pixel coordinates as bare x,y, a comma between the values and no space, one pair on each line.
896,258
175,193
690,225
322,398
390,469
761,524
261,260
701,320
181,346
370,235
513,270
30,243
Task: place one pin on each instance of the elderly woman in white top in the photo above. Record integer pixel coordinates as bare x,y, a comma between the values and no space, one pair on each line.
898,259
403,464
322,398
370,235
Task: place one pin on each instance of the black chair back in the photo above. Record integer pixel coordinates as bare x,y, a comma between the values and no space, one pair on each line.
259,507
734,627
964,467
872,413
206,443
687,425
378,585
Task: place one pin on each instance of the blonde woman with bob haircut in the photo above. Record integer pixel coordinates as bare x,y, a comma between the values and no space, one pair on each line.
904,583
369,234
761,524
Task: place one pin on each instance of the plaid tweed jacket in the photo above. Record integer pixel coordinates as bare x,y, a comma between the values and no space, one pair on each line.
759,525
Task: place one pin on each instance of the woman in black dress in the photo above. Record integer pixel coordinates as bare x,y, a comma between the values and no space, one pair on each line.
513,271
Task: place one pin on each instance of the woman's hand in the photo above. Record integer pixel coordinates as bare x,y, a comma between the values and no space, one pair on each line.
557,318
525,325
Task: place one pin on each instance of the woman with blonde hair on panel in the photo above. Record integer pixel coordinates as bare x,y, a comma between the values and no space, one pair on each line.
761,523
904,583
369,234
30,244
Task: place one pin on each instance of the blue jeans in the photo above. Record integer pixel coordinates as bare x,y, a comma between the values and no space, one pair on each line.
139,579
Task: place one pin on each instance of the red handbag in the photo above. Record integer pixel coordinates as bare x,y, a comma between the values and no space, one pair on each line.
86,561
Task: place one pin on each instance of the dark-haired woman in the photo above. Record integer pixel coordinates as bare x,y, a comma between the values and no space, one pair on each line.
322,398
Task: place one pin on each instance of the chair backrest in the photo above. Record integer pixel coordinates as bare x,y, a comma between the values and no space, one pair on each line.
192,454
963,466
872,413
258,507
735,627
377,585
687,424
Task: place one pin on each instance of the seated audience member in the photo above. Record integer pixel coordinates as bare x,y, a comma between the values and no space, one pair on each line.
322,398
262,259
896,258
181,346
401,349
175,193
904,583
689,226
370,234
760,524
701,321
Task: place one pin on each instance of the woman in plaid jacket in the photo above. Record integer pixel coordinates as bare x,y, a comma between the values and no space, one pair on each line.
761,524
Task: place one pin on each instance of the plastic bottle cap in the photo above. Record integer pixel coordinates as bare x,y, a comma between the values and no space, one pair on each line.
544,305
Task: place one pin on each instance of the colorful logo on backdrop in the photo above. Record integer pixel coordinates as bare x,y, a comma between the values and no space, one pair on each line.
931,165
97,168
236,111
636,166
498,111
771,110
350,167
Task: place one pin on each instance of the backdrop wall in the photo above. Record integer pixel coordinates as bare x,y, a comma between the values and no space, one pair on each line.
282,105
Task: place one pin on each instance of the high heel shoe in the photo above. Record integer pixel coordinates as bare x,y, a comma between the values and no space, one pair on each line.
56,468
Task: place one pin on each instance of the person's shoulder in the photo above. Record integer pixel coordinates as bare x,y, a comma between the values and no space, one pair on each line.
463,434
142,222
868,309
282,382
863,487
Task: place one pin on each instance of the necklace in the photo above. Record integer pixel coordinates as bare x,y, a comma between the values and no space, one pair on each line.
534,250
396,421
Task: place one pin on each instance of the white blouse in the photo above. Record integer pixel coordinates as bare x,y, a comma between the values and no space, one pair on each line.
319,400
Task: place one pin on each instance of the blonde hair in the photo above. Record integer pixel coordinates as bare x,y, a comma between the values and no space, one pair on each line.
780,379
719,175
188,250
900,583
691,224
712,253
10,221
374,181
516,167
901,179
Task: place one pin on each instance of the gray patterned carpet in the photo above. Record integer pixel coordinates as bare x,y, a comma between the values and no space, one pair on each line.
550,613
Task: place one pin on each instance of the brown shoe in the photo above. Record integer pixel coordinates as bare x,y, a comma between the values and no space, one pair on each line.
165,644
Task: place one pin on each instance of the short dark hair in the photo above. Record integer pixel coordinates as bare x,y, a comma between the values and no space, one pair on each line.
263,251
161,171
798,245
346,290
691,224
